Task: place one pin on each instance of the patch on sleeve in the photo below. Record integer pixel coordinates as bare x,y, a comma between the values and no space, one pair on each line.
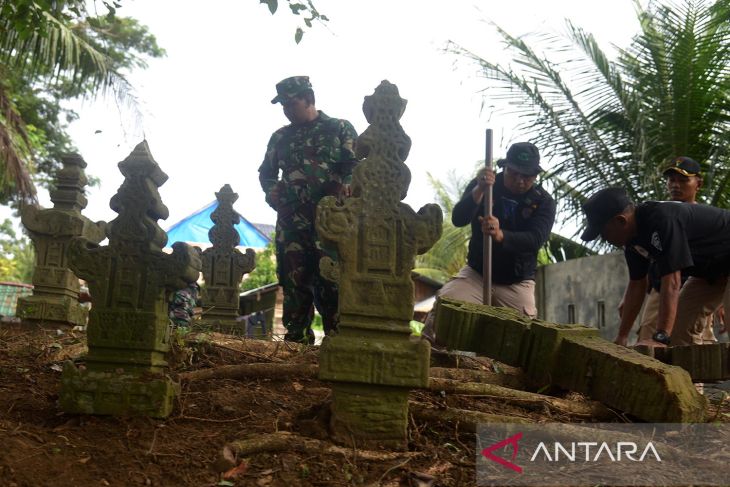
656,242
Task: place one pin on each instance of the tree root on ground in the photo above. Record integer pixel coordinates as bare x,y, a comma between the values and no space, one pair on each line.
285,441
253,371
513,381
468,420
528,400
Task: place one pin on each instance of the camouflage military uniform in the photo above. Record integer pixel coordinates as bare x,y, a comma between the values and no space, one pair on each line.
181,308
315,158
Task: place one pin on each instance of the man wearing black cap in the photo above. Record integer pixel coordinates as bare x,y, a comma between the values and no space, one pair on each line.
683,181
308,159
675,237
523,215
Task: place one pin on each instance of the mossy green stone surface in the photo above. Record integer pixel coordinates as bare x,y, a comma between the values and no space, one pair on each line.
372,362
129,279
55,298
374,416
116,393
628,380
574,357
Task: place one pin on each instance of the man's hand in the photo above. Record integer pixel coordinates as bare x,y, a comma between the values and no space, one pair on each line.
490,226
485,177
273,197
622,340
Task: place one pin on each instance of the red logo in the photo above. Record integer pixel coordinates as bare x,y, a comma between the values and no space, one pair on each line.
512,440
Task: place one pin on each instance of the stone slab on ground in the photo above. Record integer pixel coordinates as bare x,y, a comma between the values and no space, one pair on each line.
626,380
705,363
573,357
500,333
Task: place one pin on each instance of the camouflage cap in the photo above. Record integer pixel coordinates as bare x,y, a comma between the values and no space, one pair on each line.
288,88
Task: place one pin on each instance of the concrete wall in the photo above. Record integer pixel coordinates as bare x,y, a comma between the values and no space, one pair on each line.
586,291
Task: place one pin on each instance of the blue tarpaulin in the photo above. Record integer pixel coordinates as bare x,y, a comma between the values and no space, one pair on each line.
194,229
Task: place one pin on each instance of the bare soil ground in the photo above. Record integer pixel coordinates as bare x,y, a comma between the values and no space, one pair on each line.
42,446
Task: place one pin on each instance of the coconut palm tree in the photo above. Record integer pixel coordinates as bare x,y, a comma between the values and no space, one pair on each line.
608,122
42,41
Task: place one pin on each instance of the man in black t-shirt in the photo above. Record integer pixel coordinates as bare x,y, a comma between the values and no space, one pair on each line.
674,237
683,181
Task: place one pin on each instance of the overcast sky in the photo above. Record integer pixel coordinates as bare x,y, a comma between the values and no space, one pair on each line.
206,110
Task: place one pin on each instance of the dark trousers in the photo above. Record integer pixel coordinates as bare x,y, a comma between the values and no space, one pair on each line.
297,256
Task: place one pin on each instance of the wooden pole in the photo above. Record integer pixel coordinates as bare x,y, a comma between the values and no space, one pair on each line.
487,250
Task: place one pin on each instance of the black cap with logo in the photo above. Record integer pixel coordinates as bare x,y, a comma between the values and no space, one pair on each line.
522,157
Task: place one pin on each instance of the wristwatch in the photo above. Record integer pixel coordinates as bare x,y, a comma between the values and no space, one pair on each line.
661,337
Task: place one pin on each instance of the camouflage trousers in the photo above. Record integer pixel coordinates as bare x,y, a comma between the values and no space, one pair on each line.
297,255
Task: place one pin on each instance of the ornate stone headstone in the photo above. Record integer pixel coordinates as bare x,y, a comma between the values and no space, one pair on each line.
55,296
371,361
129,331
224,265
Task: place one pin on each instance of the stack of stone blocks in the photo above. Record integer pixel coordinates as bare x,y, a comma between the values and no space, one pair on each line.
571,357
130,279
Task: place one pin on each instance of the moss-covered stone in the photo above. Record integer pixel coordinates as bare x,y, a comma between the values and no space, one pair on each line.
55,298
375,360
705,363
500,333
369,416
371,361
545,346
129,329
627,380
224,265
575,357
115,393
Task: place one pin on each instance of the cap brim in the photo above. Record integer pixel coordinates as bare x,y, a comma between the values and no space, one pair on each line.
680,171
534,171
590,233
277,99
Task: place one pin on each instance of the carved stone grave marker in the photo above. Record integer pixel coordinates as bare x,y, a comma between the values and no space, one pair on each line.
224,265
372,362
129,330
55,298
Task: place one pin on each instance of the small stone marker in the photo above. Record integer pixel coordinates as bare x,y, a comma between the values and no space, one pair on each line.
372,362
129,329
55,298
224,266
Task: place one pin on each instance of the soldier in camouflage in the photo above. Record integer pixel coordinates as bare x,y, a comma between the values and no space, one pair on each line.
315,155
181,308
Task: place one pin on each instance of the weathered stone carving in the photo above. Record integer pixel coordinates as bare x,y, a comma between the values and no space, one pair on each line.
128,331
56,288
378,238
224,265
